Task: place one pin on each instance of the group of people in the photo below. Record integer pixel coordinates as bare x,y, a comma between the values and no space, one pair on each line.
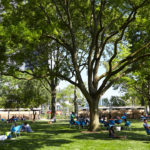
82,120
110,124
14,119
113,120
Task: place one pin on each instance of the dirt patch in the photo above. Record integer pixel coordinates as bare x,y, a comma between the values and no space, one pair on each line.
90,132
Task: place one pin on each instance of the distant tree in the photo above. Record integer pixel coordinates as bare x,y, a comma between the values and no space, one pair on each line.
22,94
105,102
67,95
113,101
116,101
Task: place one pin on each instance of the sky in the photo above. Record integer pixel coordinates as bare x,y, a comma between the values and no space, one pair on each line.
110,92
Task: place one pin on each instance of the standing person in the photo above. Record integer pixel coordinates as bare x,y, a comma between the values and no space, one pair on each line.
27,127
72,117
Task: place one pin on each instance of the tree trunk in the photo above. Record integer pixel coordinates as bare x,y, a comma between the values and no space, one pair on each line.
149,105
94,116
53,101
8,113
142,101
142,98
75,101
34,115
149,93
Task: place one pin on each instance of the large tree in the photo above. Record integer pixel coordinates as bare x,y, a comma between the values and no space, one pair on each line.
93,34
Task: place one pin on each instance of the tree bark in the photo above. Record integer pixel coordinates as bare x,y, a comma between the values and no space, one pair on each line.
34,115
142,101
8,113
53,101
149,105
149,92
94,116
142,98
75,101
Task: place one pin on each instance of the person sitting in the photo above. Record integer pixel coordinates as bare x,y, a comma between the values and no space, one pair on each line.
112,133
12,119
87,120
146,126
13,125
143,117
52,120
26,127
22,118
111,121
127,123
125,114
82,121
72,117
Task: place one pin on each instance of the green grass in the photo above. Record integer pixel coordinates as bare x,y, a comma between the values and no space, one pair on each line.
59,136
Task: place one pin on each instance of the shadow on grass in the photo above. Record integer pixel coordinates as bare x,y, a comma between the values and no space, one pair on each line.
137,129
104,136
32,143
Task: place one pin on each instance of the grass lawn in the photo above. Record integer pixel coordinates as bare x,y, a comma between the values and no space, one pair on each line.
59,136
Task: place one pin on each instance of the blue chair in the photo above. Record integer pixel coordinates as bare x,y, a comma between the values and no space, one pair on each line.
128,125
118,121
71,122
123,117
15,119
77,123
2,120
111,122
16,130
83,124
74,123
